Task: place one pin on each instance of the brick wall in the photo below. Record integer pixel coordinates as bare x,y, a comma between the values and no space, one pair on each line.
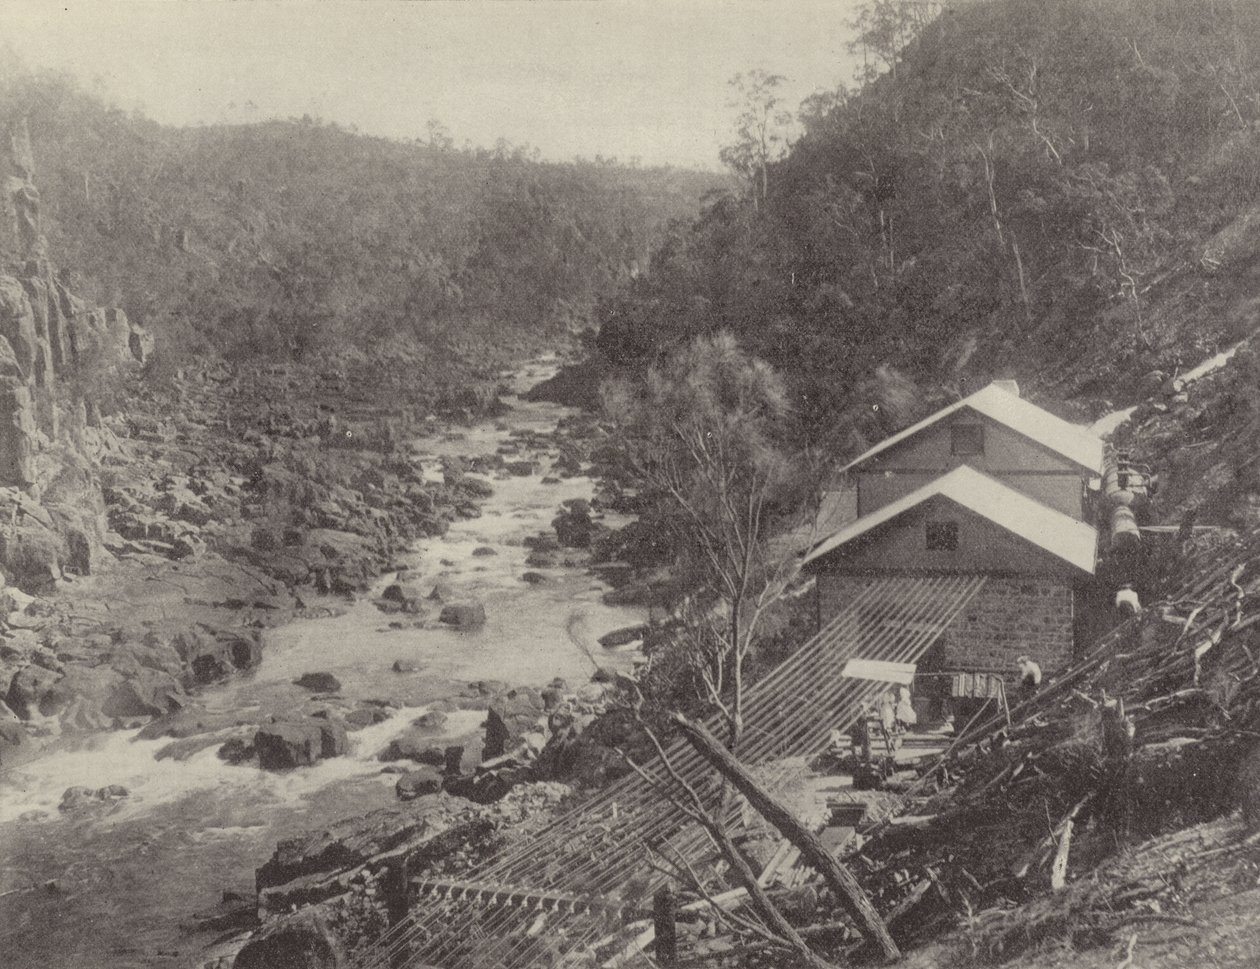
1009,617
1013,617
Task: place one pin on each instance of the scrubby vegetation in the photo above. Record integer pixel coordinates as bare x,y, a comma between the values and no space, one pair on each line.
284,237
1056,191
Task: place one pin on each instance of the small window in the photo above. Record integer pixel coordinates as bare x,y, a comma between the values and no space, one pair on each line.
942,536
967,439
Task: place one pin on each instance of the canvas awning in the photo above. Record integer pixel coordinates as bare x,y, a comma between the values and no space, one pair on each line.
881,670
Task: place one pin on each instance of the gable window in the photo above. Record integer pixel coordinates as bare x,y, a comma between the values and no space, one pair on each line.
966,439
942,536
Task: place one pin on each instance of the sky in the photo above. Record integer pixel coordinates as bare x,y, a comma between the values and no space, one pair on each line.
643,79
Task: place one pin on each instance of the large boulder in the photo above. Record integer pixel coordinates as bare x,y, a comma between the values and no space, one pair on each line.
418,783
213,653
464,615
318,682
30,691
289,744
510,717
407,596
77,799
146,693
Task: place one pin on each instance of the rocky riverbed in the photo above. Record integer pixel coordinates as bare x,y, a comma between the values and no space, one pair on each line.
287,605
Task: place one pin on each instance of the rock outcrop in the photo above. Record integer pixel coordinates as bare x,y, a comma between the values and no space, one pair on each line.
300,743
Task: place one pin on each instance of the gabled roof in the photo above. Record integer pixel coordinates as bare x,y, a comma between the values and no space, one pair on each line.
1052,531
1077,444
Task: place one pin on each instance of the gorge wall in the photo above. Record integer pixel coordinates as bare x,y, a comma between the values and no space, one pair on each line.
56,352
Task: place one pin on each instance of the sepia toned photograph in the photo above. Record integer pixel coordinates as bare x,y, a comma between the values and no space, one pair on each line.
615,484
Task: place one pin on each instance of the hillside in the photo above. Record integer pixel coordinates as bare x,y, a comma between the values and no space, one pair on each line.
284,237
1064,193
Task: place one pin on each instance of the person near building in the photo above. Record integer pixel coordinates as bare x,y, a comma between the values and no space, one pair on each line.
888,722
1029,678
906,717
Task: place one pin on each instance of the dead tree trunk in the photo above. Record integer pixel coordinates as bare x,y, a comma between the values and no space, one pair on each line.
838,878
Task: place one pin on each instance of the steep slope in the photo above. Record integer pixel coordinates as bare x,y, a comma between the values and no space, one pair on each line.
1063,193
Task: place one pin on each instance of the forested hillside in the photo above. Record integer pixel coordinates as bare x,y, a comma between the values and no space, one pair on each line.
1061,192
286,236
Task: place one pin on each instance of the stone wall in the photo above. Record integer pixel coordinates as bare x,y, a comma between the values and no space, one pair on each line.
1009,617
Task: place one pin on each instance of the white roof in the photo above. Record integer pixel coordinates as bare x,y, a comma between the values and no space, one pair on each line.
881,670
1061,535
1075,443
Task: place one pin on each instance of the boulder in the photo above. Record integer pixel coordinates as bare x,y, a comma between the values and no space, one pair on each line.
146,693
289,744
318,682
81,798
484,551
416,747
443,592
213,653
30,691
533,578
509,718
402,592
405,666
464,615
453,761
236,751
432,722
418,783
367,716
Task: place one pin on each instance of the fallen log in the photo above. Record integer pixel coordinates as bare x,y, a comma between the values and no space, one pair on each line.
838,878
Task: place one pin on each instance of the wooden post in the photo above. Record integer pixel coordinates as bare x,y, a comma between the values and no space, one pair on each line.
664,914
838,878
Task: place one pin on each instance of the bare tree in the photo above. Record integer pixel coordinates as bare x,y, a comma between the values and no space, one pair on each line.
699,434
761,130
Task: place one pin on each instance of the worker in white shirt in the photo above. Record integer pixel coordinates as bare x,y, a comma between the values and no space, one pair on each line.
1029,678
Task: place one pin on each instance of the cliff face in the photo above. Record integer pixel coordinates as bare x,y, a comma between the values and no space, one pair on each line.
54,351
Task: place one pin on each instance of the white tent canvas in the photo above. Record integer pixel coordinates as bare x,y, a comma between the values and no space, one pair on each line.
884,672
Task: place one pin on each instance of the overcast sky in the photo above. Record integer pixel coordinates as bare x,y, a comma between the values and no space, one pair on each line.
622,78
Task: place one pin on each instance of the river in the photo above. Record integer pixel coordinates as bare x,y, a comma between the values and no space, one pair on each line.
109,888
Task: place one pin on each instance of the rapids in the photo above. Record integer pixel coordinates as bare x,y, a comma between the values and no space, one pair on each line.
109,888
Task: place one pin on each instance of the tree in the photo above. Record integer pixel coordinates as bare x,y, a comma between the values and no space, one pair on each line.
439,135
760,130
885,28
698,435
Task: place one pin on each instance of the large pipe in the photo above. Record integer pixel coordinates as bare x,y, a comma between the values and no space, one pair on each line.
1124,528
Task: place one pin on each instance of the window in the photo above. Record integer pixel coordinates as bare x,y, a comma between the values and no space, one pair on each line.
967,439
942,536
